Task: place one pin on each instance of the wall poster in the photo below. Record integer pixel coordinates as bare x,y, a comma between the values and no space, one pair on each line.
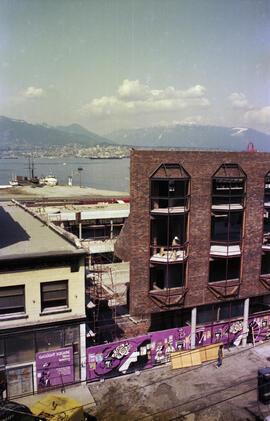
54,367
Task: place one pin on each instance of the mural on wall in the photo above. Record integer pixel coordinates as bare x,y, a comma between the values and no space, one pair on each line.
203,336
54,367
259,328
114,359
166,341
110,360
232,332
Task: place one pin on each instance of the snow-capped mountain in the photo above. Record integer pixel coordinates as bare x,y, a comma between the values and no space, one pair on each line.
193,136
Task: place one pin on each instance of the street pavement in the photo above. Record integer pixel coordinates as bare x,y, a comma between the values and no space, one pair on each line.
200,393
228,393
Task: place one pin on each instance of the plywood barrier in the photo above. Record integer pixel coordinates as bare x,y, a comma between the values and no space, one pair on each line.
194,357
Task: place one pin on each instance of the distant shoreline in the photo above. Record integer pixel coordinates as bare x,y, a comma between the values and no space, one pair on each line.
58,191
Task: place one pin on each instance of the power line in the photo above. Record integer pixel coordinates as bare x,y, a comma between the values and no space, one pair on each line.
182,373
196,399
163,379
213,404
201,397
88,404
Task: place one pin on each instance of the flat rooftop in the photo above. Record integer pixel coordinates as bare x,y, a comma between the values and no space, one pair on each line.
22,235
100,210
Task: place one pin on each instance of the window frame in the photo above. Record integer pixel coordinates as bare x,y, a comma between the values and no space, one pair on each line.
45,308
21,308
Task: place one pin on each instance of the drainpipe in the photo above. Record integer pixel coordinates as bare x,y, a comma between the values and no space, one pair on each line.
111,232
245,322
83,351
79,222
193,326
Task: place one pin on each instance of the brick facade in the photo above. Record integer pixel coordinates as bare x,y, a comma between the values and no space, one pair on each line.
201,166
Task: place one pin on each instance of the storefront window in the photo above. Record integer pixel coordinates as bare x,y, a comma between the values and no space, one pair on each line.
237,308
221,311
49,339
72,338
170,320
204,314
259,304
224,311
2,352
72,335
20,381
20,348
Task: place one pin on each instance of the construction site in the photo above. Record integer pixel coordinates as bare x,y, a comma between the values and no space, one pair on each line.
96,224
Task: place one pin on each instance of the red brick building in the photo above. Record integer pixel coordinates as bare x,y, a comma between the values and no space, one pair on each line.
198,233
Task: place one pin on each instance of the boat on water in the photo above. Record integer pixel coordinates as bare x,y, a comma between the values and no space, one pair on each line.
14,181
49,180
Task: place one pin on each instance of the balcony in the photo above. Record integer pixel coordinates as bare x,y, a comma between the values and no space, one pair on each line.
223,250
176,210
228,206
171,255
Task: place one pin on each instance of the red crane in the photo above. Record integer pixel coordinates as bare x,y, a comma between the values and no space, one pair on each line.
251,147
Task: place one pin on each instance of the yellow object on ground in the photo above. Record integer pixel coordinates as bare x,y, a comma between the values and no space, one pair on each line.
209,352
56,408
194,357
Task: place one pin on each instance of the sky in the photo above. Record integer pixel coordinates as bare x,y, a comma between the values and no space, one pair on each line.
118,64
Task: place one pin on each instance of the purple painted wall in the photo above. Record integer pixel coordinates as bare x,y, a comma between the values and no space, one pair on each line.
140,353
232,332
54,367
260,327
114,359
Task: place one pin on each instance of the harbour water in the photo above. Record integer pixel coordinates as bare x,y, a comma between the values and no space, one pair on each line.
108,174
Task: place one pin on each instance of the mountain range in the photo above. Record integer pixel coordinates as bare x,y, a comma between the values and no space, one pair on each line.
193,136
18,134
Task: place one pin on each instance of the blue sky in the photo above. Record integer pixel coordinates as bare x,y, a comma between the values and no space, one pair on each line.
136,63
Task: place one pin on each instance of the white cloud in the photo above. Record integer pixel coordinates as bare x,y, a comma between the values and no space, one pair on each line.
33,93
239,100
133,90
260,116
188,121
193,120
133,98
27,95
250,115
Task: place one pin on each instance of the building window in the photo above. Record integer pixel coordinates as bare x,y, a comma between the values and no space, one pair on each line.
265,265
265,268
12,300
166,277
213,313
227,216
54,295
170,320
259,304
20,348
20,381
224,269
169,215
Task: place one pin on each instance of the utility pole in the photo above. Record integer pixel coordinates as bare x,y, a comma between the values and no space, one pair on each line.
80,175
